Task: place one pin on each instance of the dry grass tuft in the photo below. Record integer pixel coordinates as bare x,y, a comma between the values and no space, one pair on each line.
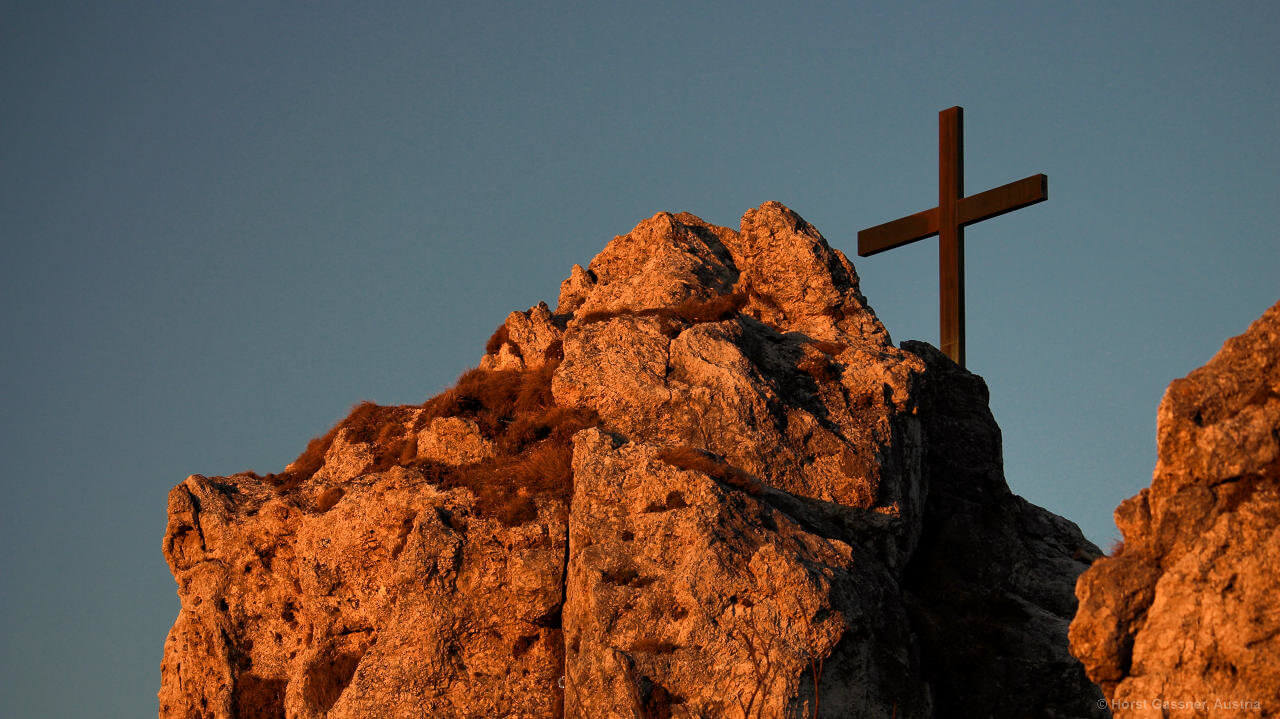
499,337
517,411
507,487
493,398
309,462
367,422
312,457
697,460
513,408
534,460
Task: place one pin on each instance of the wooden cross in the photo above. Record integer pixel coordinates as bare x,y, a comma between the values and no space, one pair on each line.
948,220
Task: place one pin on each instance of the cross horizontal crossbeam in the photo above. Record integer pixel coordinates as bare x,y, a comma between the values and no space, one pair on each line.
974,208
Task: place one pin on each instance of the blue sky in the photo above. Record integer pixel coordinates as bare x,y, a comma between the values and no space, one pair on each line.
224,224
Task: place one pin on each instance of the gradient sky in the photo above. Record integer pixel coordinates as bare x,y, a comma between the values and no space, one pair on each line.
225,224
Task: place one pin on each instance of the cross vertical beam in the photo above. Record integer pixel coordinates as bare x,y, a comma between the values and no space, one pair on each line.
951,232
948,220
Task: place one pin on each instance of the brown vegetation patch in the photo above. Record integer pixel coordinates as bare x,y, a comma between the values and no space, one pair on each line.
499,337
312,458
507,487
384,427
513,408
697,460
516,410
493,398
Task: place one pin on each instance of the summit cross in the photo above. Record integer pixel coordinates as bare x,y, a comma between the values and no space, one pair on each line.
948,220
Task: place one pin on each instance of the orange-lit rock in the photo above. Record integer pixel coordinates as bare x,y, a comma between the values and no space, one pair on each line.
706,485
1186,610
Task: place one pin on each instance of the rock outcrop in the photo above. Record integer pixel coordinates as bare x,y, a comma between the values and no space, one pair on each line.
706,485
1185,612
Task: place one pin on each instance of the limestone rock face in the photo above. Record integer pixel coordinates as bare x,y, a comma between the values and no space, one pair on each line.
454,441
1186,609
706,485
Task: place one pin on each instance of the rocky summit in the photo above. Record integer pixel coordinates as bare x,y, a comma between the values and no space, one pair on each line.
707,484
1185,612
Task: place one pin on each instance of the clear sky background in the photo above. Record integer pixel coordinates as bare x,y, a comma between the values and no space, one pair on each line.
225,224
